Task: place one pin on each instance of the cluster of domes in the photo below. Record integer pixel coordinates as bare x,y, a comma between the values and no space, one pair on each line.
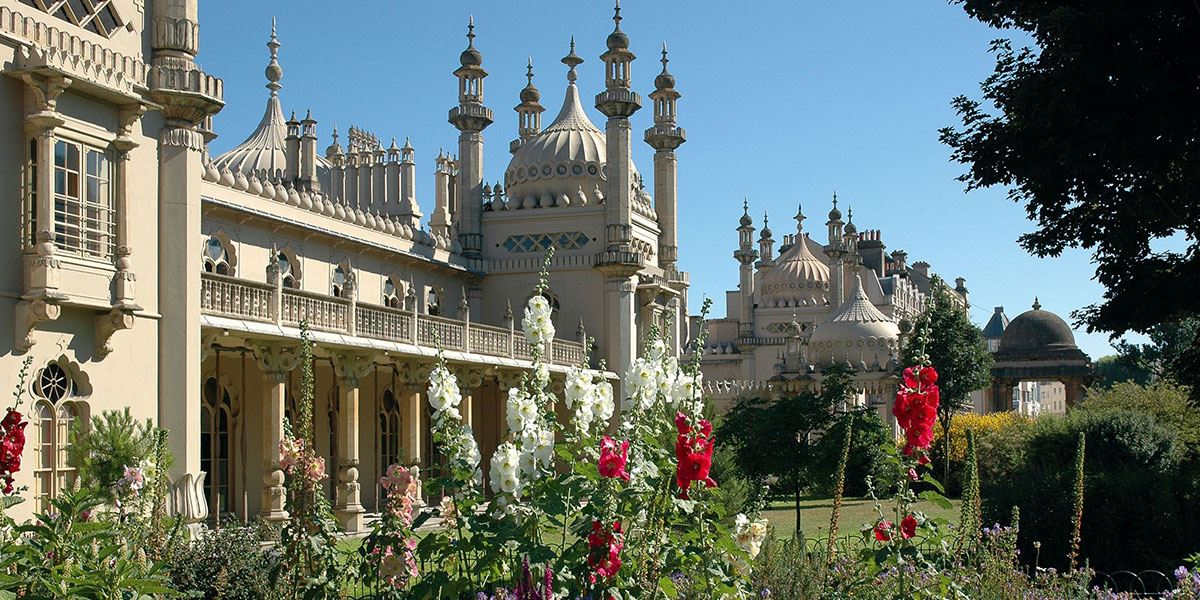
799,278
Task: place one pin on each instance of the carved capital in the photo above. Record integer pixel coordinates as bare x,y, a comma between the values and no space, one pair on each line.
106,325
186,499
509,378
31,313
350,367
46,90
413,372
469,377
127,118
276,359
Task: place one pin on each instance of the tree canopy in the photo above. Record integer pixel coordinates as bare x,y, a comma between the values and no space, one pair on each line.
1095,131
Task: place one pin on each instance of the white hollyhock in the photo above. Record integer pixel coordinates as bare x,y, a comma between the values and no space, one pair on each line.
505,472
602,403
686,391
538,327
521,410
444,395
668,373
657,349
642,381
750,534
578,387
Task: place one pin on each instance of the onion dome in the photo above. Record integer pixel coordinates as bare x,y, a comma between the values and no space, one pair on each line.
566,156
1037,331
856,333
850,227
470,57
745,221
834,213
766,230
617,40
798,279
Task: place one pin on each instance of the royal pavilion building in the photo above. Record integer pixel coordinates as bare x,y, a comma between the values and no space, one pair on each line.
146,272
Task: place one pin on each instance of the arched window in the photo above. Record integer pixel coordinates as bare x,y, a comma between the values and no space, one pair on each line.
54,414
433,302
393,293
341,275
389,431
216,257
289,270
217,425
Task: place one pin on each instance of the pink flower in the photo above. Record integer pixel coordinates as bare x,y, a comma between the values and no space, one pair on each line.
912,474
883,531
908,526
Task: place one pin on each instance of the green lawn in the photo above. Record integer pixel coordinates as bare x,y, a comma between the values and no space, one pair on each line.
815,513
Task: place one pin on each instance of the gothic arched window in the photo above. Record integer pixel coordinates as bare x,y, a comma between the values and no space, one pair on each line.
393,293
433,302
217,426
54,414
289,273
341,275
217,258
389,431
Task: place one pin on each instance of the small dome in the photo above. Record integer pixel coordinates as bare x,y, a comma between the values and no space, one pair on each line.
470,57
530,94
1035,331
856,333
617,40
664,81
799,278
835,214
745,221
851,228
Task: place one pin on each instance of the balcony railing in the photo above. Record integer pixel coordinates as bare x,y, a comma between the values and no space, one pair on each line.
266,303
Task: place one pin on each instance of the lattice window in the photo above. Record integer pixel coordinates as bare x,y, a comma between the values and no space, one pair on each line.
54,415
389,432
540,242
289,273
84,219
217,425
97,16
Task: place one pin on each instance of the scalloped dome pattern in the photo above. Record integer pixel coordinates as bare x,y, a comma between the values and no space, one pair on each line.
856,334
799,278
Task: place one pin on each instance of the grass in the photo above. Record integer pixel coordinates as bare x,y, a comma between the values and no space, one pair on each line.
856,512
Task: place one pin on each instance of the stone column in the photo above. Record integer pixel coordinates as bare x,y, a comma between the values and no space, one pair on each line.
410,414
276,362
620,331
349,369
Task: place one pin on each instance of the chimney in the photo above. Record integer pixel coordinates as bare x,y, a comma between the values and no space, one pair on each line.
308,154
900,262
291,150
921,267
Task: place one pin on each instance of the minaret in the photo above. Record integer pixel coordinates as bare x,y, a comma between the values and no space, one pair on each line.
766,244
665,136
618,102
746,255
529,111
835,251
470,117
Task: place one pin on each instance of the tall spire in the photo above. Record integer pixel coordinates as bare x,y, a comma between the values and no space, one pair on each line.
800,219
572,60
274,71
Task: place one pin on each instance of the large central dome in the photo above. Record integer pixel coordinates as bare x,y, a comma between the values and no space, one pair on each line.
798,279
565,159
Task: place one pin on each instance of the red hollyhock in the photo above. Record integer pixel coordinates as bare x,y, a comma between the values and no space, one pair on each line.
12,444
883,531
604,550
613,458
908,526
693,451
916,407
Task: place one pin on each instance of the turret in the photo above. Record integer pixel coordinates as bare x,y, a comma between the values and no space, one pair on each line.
439,221
529,111
308,154
618,102
337,160
836,251
665,136
470,117
409,210
746,255
291,150
766,244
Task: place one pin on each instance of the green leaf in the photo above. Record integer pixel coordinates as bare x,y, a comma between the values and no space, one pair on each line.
936,499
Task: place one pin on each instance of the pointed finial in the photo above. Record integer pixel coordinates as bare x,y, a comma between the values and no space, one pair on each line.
664,59
529,71
572,60
274,72
1036,305
835,198
471,31
746,205
617,15
850,215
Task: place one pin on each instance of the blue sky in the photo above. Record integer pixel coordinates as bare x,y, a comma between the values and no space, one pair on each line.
783,102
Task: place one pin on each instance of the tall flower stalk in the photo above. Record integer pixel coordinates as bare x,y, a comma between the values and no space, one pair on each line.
838,491
1077,514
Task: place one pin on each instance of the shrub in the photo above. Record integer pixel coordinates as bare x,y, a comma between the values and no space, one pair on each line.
1134,514
224,563
113,441
1000,441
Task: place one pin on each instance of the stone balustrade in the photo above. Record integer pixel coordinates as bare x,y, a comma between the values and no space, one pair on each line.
256,301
